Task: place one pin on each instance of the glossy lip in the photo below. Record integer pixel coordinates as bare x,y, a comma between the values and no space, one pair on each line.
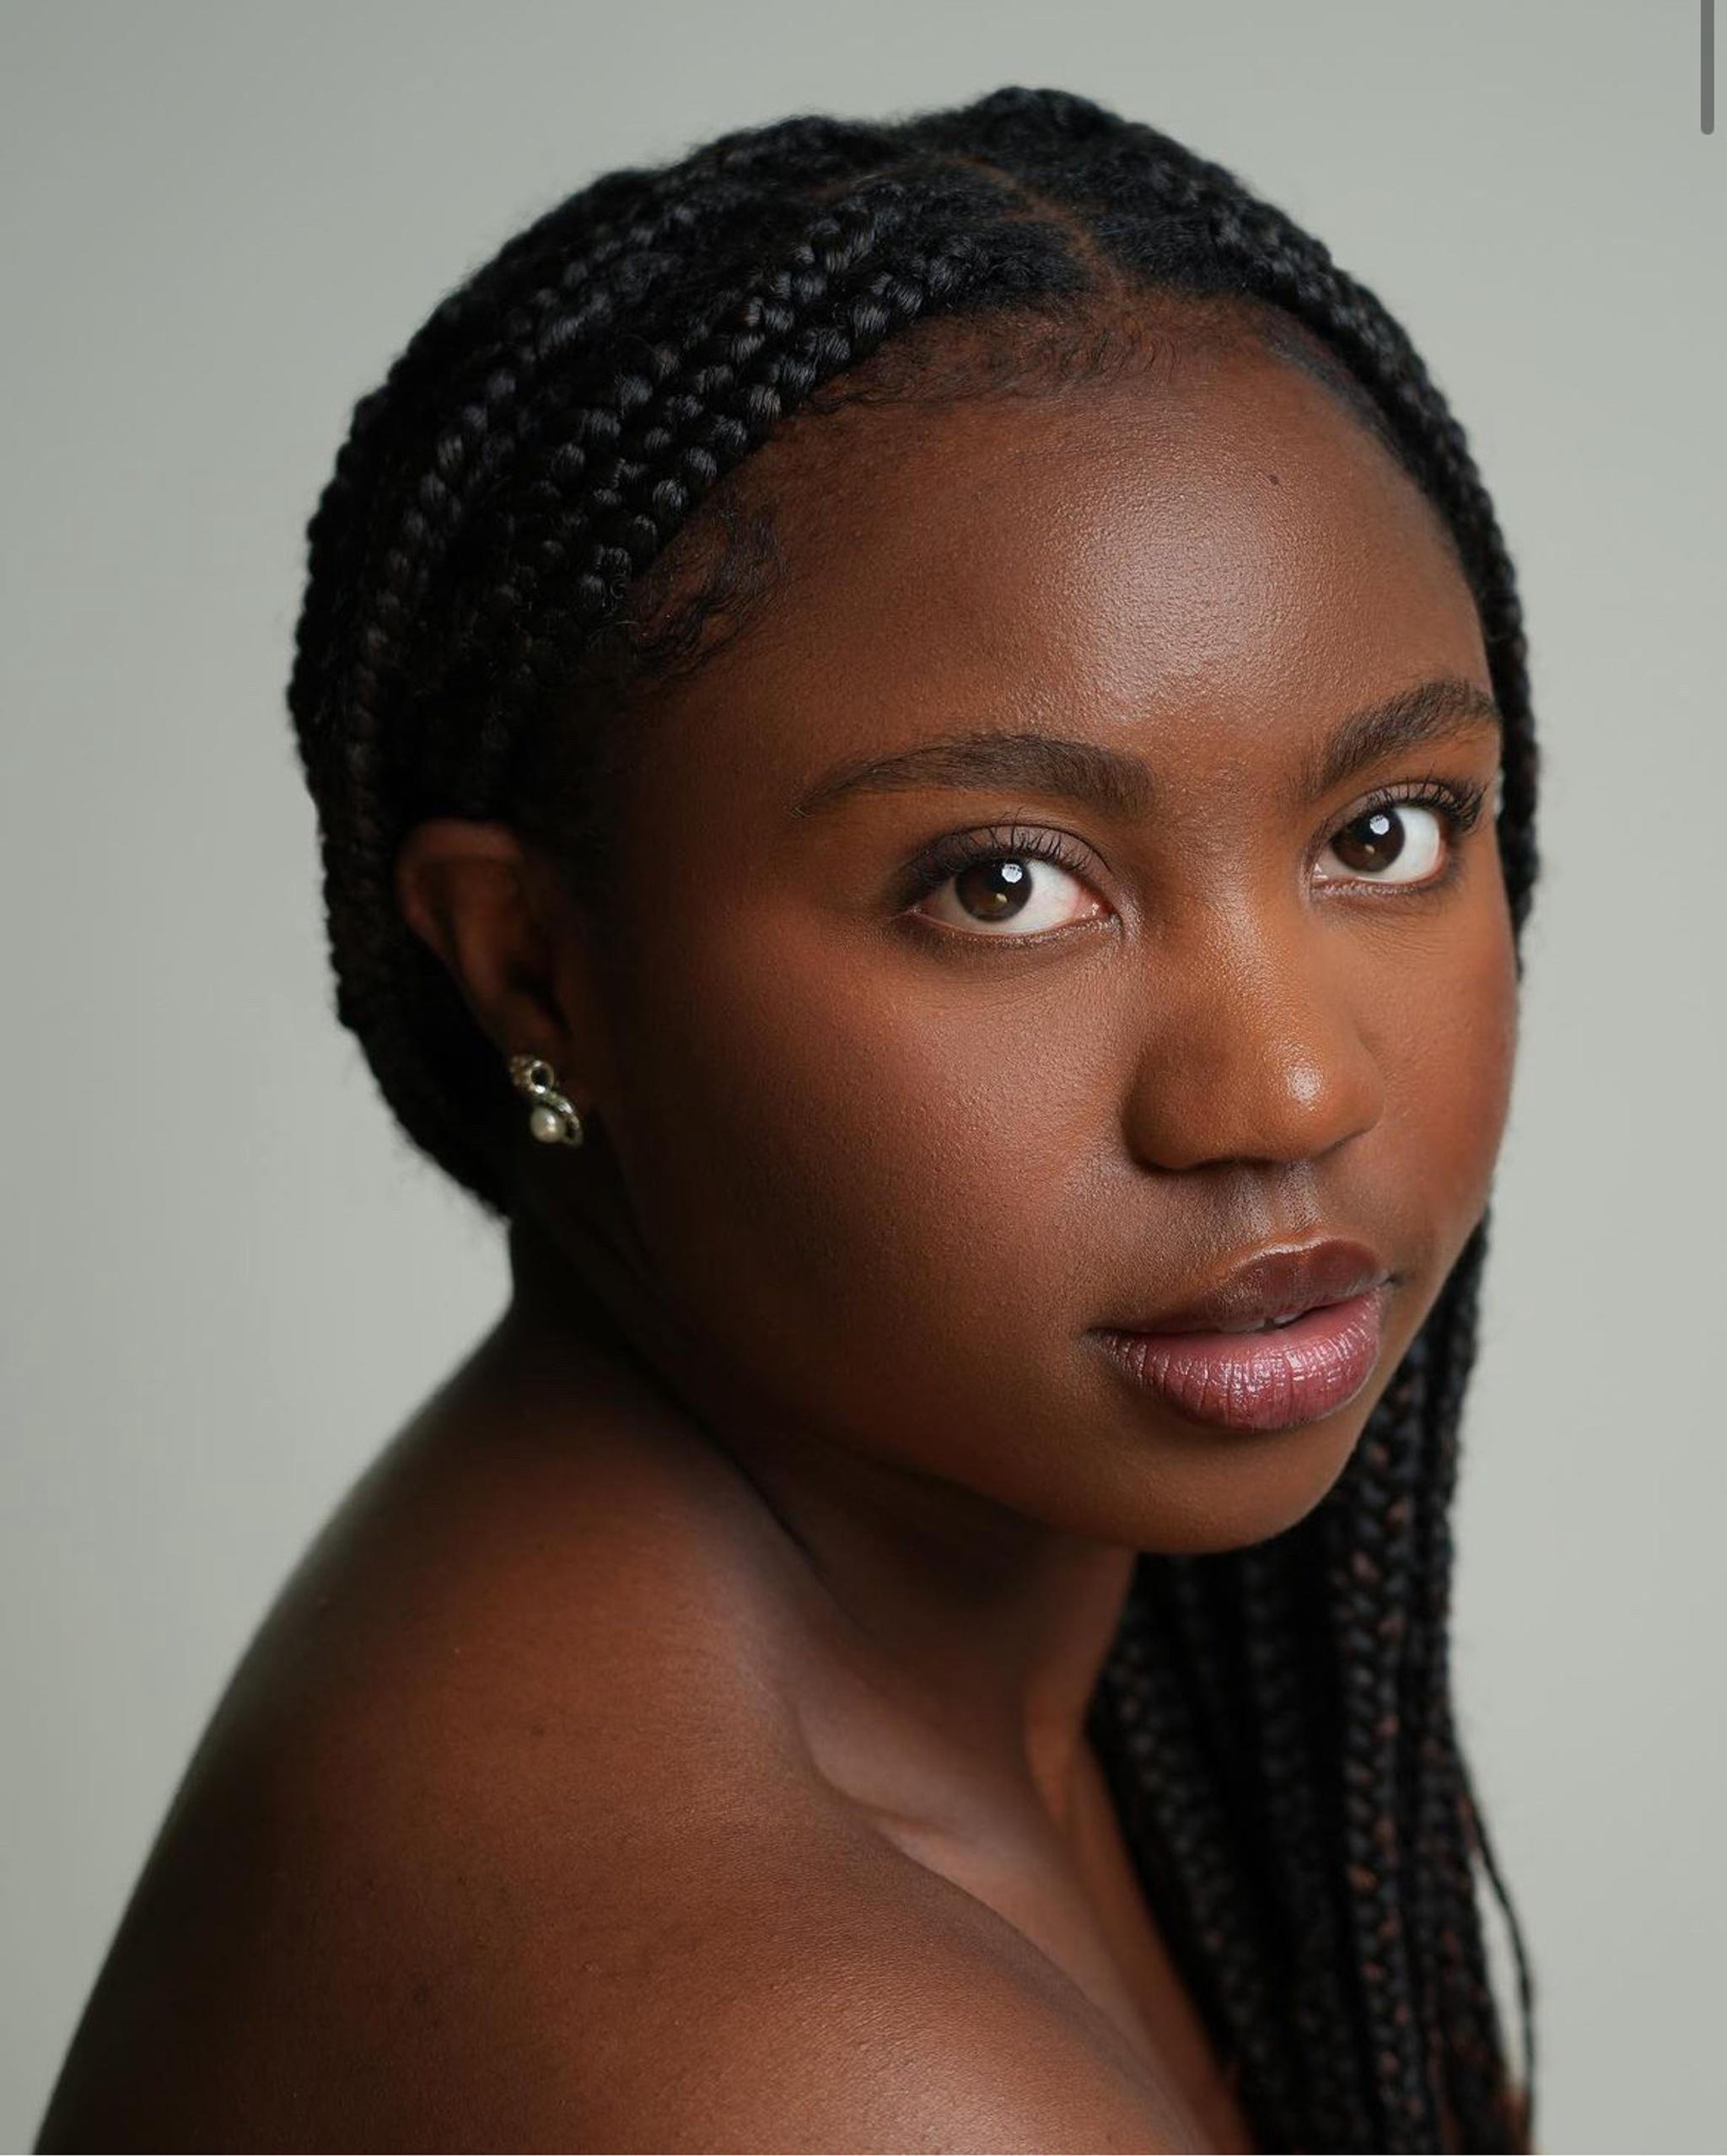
1282,1338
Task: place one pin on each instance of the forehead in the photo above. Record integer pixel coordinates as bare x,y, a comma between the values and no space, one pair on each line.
1214,556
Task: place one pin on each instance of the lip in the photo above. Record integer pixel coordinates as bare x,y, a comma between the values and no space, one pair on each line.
1206,1359
1270,1286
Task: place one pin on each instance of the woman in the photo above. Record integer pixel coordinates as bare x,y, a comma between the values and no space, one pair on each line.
926,782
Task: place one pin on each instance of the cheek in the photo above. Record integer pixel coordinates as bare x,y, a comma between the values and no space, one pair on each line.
865,1164
1450,1063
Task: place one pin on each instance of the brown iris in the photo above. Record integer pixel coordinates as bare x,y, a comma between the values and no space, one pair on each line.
1372,841
993,890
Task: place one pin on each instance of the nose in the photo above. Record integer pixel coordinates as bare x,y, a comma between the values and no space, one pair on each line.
1254,1053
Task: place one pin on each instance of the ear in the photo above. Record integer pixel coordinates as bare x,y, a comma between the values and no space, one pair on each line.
473,893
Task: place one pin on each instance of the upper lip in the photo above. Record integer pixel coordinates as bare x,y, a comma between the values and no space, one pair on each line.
1271,1285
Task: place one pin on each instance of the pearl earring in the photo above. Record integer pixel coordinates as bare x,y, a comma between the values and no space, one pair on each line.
553,1121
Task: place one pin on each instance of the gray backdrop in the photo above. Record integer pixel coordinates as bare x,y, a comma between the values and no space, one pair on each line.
226,1279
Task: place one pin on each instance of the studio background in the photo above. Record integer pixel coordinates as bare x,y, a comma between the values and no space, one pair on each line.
226,1279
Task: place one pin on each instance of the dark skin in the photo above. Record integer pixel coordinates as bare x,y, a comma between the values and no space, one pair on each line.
735,1609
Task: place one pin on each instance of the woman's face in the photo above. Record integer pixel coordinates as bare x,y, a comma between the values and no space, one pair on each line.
897,1145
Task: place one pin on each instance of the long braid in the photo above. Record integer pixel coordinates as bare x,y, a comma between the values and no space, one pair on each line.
1276,1722
1427,1815
1148,1730
1282,1607
1512,2110
1446,1822
1372,1549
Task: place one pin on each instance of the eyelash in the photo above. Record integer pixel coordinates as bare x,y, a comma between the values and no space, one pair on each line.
1458,802
952,856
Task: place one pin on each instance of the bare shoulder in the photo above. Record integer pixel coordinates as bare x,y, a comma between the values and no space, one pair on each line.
502,1837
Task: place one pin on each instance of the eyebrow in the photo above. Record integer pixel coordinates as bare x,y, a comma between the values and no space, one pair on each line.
1122,785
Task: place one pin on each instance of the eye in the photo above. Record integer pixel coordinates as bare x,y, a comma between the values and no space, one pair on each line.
1404,839
1024,882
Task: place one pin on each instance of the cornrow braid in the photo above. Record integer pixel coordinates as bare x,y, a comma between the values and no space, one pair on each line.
572,430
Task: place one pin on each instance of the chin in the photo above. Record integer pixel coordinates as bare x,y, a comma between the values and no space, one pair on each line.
1230,1490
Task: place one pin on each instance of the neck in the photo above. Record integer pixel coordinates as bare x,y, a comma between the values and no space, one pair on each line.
973,1624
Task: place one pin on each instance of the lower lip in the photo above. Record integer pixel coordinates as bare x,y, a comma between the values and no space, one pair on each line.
1273,1380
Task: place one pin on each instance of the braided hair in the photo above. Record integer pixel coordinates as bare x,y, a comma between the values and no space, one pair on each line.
528,528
